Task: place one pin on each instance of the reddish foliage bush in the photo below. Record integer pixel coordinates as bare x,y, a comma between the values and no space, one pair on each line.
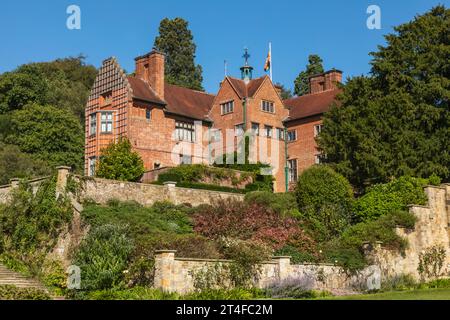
247,221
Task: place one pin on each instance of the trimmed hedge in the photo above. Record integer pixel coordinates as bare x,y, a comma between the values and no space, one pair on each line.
13,293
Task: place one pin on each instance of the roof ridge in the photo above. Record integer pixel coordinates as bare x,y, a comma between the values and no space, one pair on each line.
312,94
195,90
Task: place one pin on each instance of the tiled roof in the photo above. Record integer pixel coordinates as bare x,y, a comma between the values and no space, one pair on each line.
142,91
246,90
310,104
191,103
177,100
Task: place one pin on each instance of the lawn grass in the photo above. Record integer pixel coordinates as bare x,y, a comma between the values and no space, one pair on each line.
419,294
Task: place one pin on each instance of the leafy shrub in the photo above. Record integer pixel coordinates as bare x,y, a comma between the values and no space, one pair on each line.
232,294
431,262
14,293
325,199
400,282
297,255
135,293
246,221
30,224
295,288
103,256
382,199
54,277
282,203
120,162
437,284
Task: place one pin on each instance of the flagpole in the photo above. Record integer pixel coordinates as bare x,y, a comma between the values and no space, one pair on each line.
270,50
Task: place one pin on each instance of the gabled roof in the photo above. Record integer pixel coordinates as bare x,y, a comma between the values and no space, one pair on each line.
142,91
246,90
190,103
311,104
177,100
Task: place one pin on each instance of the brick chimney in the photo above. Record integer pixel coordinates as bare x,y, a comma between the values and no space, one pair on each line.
150,68
325,81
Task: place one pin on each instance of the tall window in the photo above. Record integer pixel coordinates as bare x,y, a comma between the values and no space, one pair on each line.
216,135
255,128
267,106
292,135
227,107
92,163
148,114
292,167
239,129
317,129
280,133
268,131
93,124
185,131
320,158
107,122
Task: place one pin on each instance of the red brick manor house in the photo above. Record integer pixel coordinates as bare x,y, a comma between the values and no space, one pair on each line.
158,117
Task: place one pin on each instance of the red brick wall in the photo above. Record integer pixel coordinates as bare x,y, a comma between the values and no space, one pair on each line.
304,148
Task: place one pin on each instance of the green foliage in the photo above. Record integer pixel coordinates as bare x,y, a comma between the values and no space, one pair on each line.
49,134
297,255
135,293
232,294
14,293
396,195
398,283
285,92
381,229
54,277
120,162
282,203
325,199
431,262
176,41
30,224
103,257
301,83
16,164
396,122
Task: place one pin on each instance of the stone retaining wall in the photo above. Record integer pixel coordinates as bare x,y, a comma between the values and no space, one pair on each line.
102,190
174,274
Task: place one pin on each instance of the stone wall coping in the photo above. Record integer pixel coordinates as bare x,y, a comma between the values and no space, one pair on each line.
409,206
434,187
165,251
203,260
214,191
281,257
169,183
5,186
63,167
315,264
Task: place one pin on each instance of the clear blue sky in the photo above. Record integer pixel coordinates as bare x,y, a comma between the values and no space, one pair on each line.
32,31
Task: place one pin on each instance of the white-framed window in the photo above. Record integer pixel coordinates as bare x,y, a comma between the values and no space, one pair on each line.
280,133
268,131
292,170
185,131
92,161
148,114
93,124
317,129
106,122
227,107
185,159
267,106
292,135
255,128
239,130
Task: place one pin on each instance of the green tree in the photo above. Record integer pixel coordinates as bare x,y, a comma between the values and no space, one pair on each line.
120,162
48,134
16,164
301,84
325,199
176,41
396,121
285,92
